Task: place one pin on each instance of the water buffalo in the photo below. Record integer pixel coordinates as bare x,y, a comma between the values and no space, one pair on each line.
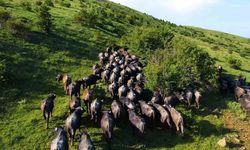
176,118
61,140
66,80
137,123
238,92
127,103
74,88
113,90
87,98
107,125
47,107
116,109
188,97
122,91
90,80
73,122
106,75
197,95
95,109
74,103
164,115
148,112
85,142
245,102
157,98
131,95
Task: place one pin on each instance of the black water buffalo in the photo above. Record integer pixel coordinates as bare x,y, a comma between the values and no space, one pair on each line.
176,118
73,122
95,109
148,112
164,115
239,92
47,107
188,97
87,98
157,98
61,140
113,90
74,88
122,91
85,142
245,102
66,80
197,95
116,109
74,103
90,80
131,95
107,125
137,123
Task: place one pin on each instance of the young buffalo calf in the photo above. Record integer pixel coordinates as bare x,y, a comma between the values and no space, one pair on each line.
73,122
61,140
137,123
47,107
85,142
107,125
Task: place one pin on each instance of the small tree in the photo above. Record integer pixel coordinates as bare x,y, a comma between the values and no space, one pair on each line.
45,22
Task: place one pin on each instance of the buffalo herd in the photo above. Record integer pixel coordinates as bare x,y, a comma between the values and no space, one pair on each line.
123,75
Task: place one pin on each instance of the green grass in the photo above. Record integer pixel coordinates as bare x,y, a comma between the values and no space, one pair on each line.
36,60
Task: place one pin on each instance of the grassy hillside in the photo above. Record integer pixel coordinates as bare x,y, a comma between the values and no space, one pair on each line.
30,64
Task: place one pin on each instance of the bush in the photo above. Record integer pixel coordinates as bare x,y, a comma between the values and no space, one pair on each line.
234,62
4,16
26,5
49,3
45,19
148,39
179,68
3,3
245,52
39,3
65,4
18,28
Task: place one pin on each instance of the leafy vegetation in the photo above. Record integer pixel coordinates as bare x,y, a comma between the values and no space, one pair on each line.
173,55
45,22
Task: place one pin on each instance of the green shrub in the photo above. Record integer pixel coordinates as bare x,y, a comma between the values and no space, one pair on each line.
4,16
3,3
45,19
179,68
26,5
65,4
39,3
49,3
245,52
148,39
18,28
234,62
230,51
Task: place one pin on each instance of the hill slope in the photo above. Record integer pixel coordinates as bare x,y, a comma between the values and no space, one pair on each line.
31,63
